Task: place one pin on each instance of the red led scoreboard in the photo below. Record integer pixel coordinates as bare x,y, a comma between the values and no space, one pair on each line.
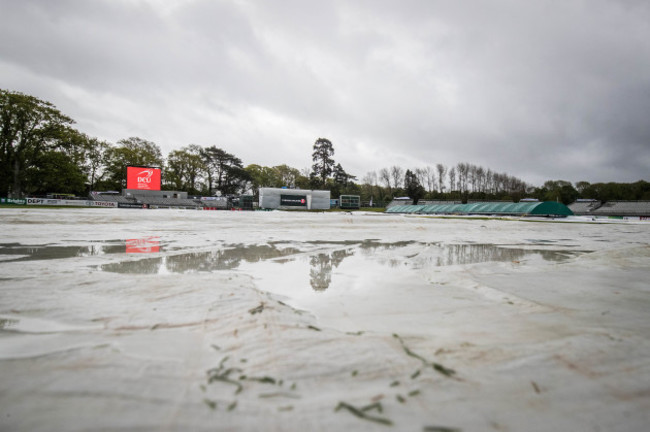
143,178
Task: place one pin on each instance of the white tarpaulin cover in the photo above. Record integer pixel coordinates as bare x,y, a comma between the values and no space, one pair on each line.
181,320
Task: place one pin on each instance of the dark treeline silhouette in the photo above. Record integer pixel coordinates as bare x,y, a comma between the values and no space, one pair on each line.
41,152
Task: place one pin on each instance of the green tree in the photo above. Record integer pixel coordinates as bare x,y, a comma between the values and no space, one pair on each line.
342,182
237,180
286,175
55,171
95,160
639,190
87,153
29,127
130,152
557,190
582,186
412,186
185,167
261,176
323,162
224,171
341,177
277,176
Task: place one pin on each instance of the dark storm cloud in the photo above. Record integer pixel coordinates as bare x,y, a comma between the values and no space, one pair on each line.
541,90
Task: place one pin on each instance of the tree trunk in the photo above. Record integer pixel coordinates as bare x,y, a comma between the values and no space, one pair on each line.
92,180
17,190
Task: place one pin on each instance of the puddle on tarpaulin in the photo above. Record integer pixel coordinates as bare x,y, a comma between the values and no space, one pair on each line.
311,264
335,272
11,252
7,323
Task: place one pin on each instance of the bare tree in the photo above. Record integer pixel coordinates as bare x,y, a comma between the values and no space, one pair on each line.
369,185
480,179
431,178
397,174
421,174
489,181
452,179
384,176
370,178
442,172
462,170
472,176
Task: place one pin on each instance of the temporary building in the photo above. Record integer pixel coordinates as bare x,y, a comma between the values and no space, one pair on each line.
287,199
350,202
536,208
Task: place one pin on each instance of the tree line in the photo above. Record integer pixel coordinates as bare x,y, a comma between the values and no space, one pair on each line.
41,152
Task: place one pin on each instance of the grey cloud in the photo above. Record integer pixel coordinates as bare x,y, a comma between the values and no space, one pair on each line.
537,89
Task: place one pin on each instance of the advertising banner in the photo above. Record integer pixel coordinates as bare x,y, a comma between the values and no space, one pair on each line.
41,201
69,203
143,178
131,205
102,204
293,200
14,201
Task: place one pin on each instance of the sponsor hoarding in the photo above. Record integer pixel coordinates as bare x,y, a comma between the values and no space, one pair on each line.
131,205
70,203
143,178
108,204
14,201
293,200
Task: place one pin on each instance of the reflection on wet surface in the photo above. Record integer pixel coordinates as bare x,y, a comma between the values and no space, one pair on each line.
221,259
143,245
321,266
48,252
320,259
464,254
18,252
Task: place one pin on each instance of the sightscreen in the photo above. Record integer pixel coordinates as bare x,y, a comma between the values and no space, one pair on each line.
143,178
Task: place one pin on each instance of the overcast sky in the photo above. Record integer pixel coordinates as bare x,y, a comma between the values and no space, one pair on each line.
538,89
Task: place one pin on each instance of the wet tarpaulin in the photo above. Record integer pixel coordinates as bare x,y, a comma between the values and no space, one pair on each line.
321,321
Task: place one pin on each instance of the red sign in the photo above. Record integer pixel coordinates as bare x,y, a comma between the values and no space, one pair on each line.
143,245
143,178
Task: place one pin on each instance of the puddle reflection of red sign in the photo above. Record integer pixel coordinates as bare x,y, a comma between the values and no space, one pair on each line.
143,245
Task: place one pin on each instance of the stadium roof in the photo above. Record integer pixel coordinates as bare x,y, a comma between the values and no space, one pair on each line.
546,208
